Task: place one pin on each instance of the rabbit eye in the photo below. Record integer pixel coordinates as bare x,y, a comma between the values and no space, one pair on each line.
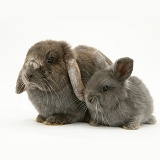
50,59
105,88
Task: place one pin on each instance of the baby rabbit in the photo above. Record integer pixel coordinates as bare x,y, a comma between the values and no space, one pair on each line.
50,76
115,99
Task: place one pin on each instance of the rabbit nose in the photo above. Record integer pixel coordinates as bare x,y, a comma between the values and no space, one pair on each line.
90,99
28,76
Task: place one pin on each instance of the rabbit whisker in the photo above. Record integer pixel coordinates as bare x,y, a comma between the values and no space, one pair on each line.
87,72
104,115
43,85
82,105
53,90
85,109
53,81
102,103
96,113
50,91
76,100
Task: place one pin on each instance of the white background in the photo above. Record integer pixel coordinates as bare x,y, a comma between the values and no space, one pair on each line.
118,29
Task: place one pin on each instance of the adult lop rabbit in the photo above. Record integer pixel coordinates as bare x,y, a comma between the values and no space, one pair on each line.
50,75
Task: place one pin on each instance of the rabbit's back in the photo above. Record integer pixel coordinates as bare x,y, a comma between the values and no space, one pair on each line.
139,96
85,57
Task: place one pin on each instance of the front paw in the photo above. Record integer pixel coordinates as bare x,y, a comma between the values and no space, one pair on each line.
131,126
40,119
94,124
56,120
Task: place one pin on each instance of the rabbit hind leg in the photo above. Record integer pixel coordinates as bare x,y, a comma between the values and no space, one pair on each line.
151,120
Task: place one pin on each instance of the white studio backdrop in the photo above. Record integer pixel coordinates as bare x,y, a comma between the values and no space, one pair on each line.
118,29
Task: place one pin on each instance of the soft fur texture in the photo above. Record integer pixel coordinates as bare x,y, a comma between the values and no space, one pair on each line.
50,75
116,99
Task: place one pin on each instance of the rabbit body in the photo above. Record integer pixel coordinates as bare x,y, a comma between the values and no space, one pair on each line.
49,78
116,99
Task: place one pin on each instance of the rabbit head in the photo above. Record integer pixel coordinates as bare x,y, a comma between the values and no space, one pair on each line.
107,86
46,65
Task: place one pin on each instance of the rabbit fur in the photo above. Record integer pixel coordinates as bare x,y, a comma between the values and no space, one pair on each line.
115,98
51,75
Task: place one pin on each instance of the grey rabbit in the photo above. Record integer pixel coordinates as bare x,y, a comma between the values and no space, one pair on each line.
115,98
50,76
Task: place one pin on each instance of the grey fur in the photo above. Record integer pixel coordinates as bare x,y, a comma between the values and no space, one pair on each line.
126,102
48,85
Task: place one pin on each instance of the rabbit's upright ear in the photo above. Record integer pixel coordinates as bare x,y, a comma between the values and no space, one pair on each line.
20,86
123,68
73,71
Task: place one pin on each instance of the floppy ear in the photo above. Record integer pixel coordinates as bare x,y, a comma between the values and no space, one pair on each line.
123,68
20,86
73,71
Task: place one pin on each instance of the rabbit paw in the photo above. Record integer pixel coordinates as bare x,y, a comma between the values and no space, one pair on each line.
56,120
40,119
131,126
92,123
151,120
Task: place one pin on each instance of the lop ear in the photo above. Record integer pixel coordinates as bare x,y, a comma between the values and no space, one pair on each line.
75,78
73,71
20,86
123,68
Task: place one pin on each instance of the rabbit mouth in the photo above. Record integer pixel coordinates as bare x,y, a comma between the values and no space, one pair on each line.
28,85
31,86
